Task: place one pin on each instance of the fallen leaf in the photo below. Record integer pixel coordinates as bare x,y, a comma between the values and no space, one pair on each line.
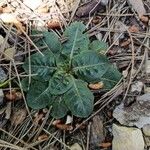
65,127
144,19
18,116
54,24
55,122
13,95
96,86
9,53
11,18
133,28
138,6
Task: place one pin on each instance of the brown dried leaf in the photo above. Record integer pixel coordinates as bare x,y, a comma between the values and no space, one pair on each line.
11,18
138,6
18,116
96,86
64,127
133,28
54,24
55,122
144,19
13,95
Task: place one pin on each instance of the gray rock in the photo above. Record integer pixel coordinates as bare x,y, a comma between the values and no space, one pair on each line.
3,76
138,114
127,138
97,131
104,2
146,130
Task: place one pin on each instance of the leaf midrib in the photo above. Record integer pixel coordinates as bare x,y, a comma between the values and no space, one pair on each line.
87,66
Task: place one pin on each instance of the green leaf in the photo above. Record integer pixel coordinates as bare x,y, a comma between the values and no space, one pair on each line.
90,66
25,84
42,66
59,109
98,46
52,41
39,95
60,83
111,77
77,41
79,99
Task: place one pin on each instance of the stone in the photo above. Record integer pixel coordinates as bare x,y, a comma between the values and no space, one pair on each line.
146,130
137,87
75,146
138,114
127,138
3,75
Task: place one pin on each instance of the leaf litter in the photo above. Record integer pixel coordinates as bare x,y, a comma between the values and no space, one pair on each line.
128,51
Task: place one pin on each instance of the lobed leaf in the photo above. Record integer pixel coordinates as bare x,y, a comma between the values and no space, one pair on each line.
42,67
60,83
77,41
39,95
79,99
59,109
52,41
90,66
111,77
98,46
